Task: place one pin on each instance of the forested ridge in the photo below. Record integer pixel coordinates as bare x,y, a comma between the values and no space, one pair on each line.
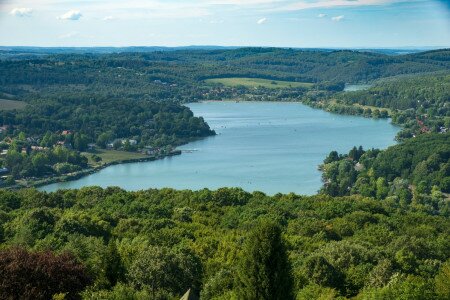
133,74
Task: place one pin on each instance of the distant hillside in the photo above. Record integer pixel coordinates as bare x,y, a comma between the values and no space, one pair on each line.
188,66
81,50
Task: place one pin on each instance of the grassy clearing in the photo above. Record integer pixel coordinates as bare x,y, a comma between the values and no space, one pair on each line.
109,156
11,104
258,82
389,111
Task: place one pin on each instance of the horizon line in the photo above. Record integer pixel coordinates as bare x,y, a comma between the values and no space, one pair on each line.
240,46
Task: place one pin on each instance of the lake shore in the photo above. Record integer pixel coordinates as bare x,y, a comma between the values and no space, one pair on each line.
85,172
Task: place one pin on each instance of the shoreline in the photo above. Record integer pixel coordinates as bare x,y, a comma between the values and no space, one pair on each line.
86,172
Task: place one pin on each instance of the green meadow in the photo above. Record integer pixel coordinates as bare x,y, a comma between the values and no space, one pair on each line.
11,104
258,82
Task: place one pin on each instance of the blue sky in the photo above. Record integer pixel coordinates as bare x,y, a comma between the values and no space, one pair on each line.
286,23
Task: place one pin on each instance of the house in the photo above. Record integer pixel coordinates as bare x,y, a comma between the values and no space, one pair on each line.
149,150
111,144
64,144
32,139
359,167
91,146
3,128
4,170
132,142
66,132
38,148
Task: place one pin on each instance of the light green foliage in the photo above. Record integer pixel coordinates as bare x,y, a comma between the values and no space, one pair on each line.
401,288
176,270
315,291
442,281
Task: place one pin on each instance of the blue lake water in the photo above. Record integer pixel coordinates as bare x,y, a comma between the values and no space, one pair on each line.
266,146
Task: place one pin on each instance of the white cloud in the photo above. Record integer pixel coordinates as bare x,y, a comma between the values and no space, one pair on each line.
262,21
338,18
73,15
321,15
242,2
300,5
108,18
21,12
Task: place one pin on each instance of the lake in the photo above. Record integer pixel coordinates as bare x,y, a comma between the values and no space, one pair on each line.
267,146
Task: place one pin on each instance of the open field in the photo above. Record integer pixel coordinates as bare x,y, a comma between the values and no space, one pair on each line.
11,104
389,111
258,82
109,156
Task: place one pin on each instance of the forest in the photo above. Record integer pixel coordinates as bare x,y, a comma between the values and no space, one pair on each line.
179,75
418,103
224,244
423,162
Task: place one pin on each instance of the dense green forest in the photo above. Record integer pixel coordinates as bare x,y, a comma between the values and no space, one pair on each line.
103,120
423,162
176,75
419,103
224,244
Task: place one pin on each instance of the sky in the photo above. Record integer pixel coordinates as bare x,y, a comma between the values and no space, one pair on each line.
279,23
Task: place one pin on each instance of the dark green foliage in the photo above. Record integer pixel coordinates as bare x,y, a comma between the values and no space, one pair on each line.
264,271
115,270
